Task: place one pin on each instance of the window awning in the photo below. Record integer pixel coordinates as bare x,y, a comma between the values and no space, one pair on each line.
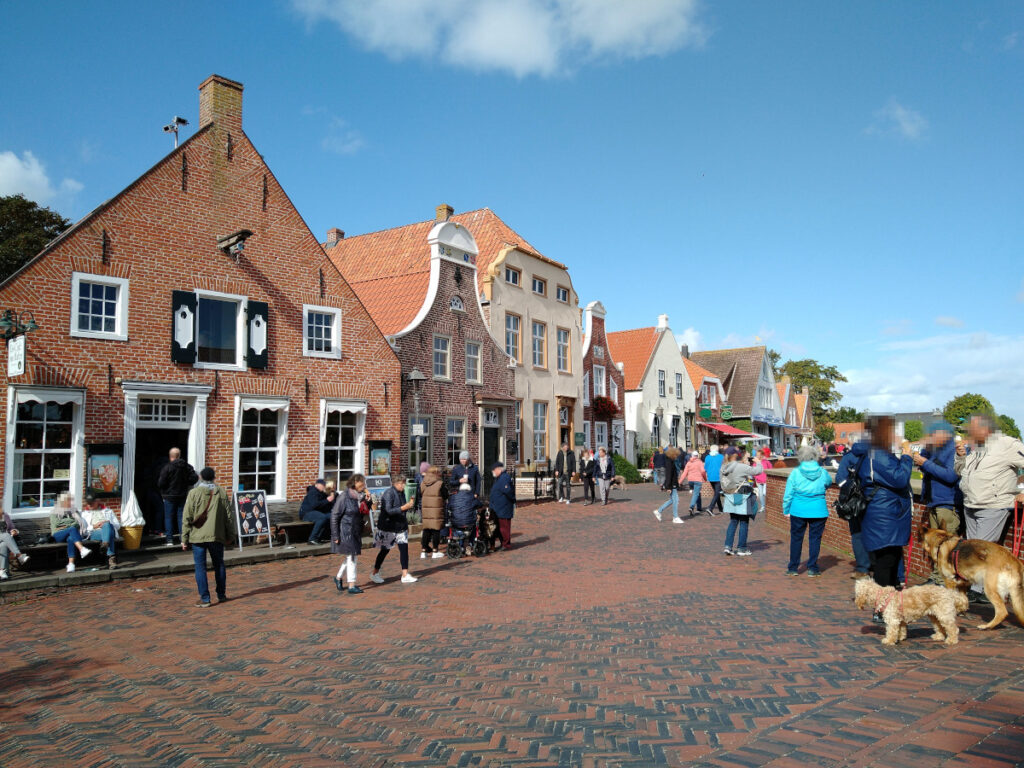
61,396
725,429
345,406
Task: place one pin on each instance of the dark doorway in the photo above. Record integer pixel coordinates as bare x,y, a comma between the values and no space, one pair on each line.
488,455
151,449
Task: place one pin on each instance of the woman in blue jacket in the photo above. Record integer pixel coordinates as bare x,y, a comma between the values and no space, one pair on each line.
804,505
885,527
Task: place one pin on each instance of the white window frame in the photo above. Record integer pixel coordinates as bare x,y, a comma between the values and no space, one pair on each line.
543,285
461,435
679,386
543,338
661,382
335,312
448,358
537,433
559,290
241,336
120,332
601,428
280,405
599,382
76,480
567,368
357,407
479,353
586,435
586,388
518,281
613,390
518,351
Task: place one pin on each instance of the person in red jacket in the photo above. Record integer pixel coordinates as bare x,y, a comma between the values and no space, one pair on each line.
694,474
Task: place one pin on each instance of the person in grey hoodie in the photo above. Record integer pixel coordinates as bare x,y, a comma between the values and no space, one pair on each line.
740,501
988,478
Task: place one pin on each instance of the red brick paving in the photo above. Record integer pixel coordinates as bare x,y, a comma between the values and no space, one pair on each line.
604,639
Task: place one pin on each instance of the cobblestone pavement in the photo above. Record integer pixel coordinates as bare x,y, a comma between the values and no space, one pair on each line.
604,639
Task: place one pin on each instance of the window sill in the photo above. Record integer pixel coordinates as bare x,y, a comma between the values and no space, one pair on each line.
99,336
323,355
565,373
219,366
474,382
30,513
443,379
540,368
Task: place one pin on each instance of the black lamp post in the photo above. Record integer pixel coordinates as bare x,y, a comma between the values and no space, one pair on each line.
13,324
417,379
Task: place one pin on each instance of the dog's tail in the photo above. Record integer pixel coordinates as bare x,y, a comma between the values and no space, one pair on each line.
960,600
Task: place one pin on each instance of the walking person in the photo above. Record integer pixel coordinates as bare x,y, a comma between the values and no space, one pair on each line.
207,524
694,474
939,482
604,471
737,480
565,468
176,479
670,484
433,495
393,530
347,529
885,478
713,468
8,546
804,504
66,527
761,479
658,466
587,469
503,503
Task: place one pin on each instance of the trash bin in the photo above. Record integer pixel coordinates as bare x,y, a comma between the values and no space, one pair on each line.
410,490
132,535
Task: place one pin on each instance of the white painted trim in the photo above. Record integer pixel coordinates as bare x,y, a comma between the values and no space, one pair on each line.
428,301
240,330
279,404
121,318
479,361
433,339
335,353
358,407
592,309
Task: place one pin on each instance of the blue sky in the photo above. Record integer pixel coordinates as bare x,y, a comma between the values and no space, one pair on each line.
839,181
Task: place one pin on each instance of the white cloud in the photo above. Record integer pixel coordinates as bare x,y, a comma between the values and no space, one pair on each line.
27,176
521,37
896,118
949,322
341,139
691,338
922,374
898,328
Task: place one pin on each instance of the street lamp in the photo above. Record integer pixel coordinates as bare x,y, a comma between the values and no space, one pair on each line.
417,379
12,324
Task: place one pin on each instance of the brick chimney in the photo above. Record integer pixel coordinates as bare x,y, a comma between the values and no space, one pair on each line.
334,235
443,212
220,102
684,350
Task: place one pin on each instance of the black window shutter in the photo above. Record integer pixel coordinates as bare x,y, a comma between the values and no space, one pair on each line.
183,327
256,352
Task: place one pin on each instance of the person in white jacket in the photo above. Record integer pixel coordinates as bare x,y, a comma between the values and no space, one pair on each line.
988,478
103,525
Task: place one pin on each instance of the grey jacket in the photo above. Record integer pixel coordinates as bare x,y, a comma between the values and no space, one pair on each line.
988,475
737,473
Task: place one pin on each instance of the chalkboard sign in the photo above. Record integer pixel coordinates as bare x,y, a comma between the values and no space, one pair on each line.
253,518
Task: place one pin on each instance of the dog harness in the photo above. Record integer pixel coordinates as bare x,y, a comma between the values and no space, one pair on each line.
879,609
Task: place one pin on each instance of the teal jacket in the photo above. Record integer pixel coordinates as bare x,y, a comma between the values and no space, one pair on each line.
805,491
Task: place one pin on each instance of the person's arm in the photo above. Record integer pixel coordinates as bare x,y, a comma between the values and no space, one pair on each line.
186,519
945,474
787,498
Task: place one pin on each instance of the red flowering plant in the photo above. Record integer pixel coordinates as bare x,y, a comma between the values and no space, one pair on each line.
604,408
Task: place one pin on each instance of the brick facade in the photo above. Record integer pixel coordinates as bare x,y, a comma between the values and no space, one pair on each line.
597,352
161,234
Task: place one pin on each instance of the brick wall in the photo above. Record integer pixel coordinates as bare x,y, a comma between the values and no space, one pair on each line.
612,373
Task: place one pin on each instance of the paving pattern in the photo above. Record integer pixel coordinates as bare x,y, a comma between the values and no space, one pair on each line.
603,639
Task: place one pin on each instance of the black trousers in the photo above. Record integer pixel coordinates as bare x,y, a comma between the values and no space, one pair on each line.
403,554
716,499
588,488
885,563
430,541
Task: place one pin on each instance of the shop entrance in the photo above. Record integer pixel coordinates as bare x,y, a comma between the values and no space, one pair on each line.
151,448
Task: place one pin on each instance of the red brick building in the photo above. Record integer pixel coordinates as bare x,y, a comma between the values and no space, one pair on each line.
194,309
419,283
602,377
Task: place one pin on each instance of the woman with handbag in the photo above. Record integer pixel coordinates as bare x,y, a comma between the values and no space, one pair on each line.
393,530
739,501
347,529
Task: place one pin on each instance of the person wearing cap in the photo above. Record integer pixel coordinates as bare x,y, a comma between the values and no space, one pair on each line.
503,503
102,525
468,470
316,509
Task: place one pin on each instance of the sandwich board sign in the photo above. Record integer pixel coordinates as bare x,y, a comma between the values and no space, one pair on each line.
252,516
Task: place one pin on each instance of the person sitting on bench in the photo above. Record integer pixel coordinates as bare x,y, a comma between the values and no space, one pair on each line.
316,509
66,526
102,525
8,546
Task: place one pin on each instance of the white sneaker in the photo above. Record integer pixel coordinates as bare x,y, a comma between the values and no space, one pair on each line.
84,552
4,575
657,514
409,579
376,578
677,520
70,568
437,556
22,558
423,555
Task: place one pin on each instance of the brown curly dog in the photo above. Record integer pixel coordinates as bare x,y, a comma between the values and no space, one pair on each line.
939,604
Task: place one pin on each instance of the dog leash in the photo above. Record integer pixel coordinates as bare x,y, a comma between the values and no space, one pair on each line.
1018,534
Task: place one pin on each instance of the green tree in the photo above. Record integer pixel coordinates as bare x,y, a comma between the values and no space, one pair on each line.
773,359
845,415
821,380
913,431
959,410
24,229
1008,426
825,433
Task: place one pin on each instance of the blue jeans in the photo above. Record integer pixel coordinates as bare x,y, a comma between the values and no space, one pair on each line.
695,495
740,522
797,526
105,534
71,536
320,521
173,510
658,476
216,551
674,501
860,554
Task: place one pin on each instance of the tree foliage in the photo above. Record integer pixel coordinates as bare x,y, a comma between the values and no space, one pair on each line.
845,415
958,411
24,229
773,360
825,433
913,430
820,379
1008,426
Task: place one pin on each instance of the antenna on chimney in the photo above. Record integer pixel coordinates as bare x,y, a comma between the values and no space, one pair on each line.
173,127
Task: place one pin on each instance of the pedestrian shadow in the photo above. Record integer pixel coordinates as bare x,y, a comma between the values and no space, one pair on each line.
54,675
528,542
763,544
276,588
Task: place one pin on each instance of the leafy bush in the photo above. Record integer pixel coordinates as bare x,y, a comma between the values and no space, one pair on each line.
643,456
913,430
627,470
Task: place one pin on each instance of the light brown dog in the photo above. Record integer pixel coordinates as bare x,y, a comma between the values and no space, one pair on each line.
939,604
963,562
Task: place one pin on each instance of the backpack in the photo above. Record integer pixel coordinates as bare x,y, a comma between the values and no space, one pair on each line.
852,502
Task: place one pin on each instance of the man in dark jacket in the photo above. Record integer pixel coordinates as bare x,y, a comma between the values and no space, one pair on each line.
176,479
939,481
316,509
468,470
503,503
587,468
565,467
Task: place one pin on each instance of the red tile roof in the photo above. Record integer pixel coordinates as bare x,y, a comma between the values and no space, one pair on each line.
697,374
633,349
390,269
739,370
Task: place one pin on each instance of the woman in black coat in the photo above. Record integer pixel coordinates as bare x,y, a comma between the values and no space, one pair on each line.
393,530
347,529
